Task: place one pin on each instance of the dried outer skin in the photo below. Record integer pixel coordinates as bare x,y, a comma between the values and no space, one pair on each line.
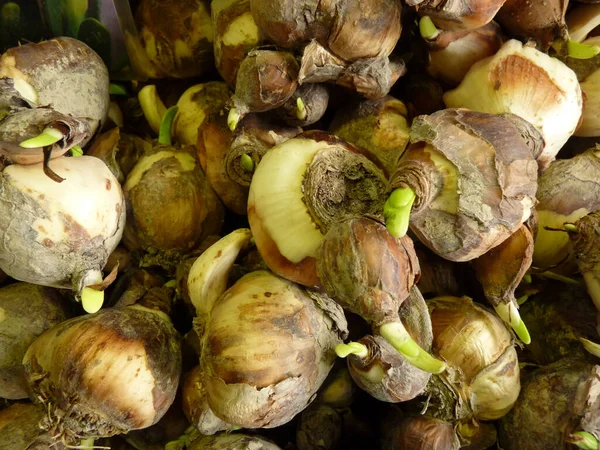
543,22
105,374
266,80
586,243
214,139
290,24
10,99
41,221
351,30
19,428
482,380
458,15
568,190
28,123
339,182
401,380
195,105
67,75
236,33
556,400
422,433
378,126
315,97
502,268
254,135
319,428
362,30
235,441
366,270
189,209
557,318
26,311
475,180
267,348
177,37
195,405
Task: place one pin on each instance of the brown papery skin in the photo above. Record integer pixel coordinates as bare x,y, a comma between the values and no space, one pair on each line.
172,207
556,400
483,370
422,433
105,374
366,270
267,348
543,22
67,74
351,30
195,405
458,16
214,138
163,26
379,126
501,269
26,311
266,80
474,177
568,190
228,56
28,123
236,441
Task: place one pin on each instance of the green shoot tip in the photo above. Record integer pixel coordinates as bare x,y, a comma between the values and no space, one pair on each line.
427,28
48,136
91,300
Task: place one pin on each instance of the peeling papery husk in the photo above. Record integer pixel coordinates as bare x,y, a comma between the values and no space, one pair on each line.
64,73
586,243
235,34
542,22
105,374
452,54
29,123
590,120
370,77
421,433
385,374
299,189
502,268
10,98
177,40
236,441
556,401
373,288
268,346
20,430
254,135
378,126
266,80
195,405
349,29
475,180
568,190
503,84
482,379
41,221
457,15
